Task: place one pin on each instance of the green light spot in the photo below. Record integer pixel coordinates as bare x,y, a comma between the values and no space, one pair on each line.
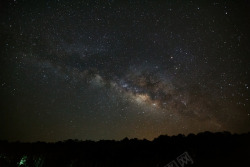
23,160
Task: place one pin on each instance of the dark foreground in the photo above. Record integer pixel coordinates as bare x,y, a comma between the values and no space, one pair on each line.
202,150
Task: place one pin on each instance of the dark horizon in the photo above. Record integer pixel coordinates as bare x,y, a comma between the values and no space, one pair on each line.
127,138
204,149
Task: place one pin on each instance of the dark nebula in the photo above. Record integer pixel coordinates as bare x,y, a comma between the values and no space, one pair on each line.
112,69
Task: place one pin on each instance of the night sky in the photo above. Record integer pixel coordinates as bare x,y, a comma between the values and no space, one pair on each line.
92,70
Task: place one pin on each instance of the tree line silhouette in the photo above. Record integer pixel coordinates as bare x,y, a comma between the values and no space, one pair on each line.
206,149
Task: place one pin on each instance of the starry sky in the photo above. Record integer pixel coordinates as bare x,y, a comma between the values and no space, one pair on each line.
111,69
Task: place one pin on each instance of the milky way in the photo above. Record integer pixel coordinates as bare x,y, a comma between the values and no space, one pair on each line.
109,70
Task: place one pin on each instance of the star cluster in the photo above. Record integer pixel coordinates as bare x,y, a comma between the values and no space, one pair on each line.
109,70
